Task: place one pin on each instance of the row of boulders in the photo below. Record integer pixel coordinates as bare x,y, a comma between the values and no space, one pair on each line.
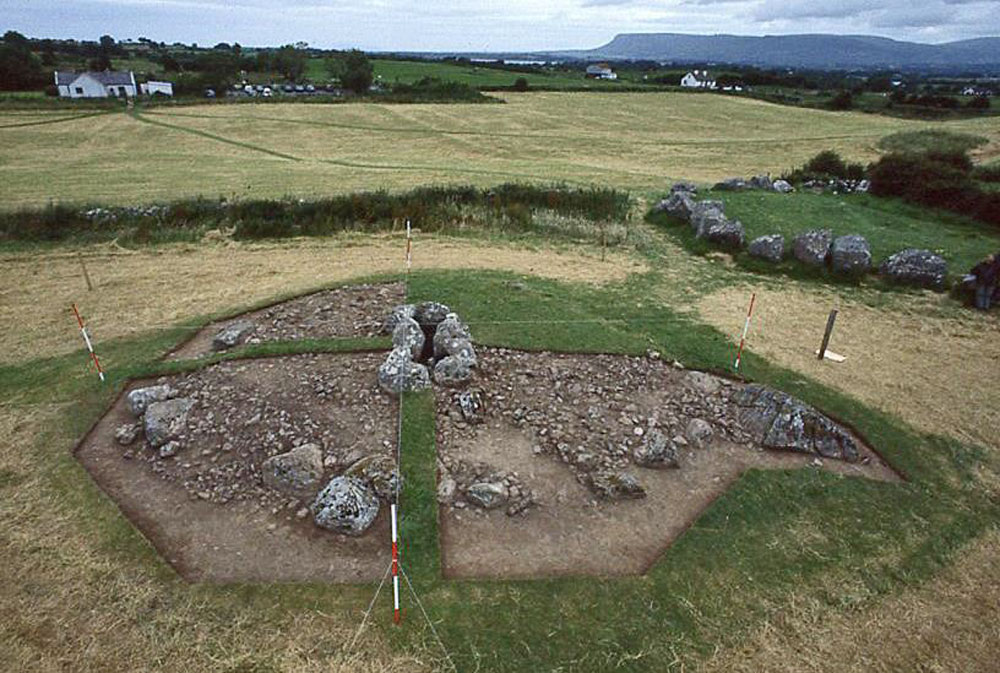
838,186
848,255
761,182
426,338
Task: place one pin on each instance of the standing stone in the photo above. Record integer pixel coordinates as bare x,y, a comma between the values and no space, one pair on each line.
850,255
295,473
409,335
166,420
430,314
232,334
812,247
399,314
727,234
656,451
704,213
400,373
449,329
140,398
452,370
912,266
699,433
345,505
770,247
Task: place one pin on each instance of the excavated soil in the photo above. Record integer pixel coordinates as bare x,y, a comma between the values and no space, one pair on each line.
548,421
206,510
355,310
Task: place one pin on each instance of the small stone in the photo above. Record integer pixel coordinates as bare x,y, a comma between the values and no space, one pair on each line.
170,449
126,434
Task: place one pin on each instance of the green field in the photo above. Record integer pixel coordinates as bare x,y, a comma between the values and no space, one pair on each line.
632,141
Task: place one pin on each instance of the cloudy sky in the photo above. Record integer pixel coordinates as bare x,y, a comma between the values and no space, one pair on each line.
489,25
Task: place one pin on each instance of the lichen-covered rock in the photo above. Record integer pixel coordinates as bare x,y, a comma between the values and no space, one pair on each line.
400,373
451,329
684,186
126,434
232,334
921,268
812,247
470,404
452,370
678,204
296,473
782,186
487,494
170,449
731,185
616,485
166,420
345,505
409,335
398,315
770,247
379,472
699,433
139,399
703,382
656,451
446,490
850,255
781,421
762,181
430,314
726,234
704,214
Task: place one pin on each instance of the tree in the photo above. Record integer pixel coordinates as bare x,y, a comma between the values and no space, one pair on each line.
290,61
842,101
521,84
357,71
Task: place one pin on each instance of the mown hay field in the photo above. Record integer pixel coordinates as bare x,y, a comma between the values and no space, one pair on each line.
634,141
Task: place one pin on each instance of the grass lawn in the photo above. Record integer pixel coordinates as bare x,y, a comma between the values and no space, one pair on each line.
889,225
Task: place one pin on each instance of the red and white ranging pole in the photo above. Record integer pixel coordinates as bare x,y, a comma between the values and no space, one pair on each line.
86,340
746,328
395,566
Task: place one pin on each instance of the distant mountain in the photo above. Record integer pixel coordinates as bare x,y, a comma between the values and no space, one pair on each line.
804,51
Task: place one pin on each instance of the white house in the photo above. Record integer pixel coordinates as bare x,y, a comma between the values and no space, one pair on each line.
601,71
95,84
151,87
698,79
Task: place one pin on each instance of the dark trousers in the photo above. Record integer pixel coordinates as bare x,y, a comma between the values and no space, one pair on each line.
984,294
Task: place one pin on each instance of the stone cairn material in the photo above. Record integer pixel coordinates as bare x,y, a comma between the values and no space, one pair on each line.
428,341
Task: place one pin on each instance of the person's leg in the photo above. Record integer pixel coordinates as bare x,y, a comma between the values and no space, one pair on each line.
982,297
990,289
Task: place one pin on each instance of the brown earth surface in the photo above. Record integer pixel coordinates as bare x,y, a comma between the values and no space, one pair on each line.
596,406
206,509
354,310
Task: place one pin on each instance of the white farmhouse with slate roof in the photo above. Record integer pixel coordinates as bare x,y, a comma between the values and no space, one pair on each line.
95,84
601,71
698,79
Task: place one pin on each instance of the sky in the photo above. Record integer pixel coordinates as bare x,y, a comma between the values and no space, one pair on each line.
494,25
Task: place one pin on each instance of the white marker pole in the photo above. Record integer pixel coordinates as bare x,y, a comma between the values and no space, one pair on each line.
395,566
409,245
746,328
86,340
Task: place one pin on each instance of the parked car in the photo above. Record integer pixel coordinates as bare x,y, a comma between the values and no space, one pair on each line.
209,93
310,88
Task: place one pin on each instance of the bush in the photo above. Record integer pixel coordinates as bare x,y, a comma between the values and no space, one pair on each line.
978,103
825,166
842,101
520,84
990,173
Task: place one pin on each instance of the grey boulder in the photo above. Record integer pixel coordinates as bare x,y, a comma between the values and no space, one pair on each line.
379,472
761,182
453,370
398,315
912,266
232,334
780,421
699,433
726,234
770,247
430,314
487,494
782,186
166,420
345,505
850,255
449,329
616,485
685,187
138,400
400,373
678,205
296,473
656,451
812,247
470,404
731,185
408,334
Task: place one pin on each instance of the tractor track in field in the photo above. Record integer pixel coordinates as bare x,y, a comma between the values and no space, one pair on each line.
54,121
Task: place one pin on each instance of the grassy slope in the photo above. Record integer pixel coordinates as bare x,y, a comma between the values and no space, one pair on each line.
634,141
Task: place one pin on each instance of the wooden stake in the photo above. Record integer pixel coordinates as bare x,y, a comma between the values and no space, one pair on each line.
86,276
827,333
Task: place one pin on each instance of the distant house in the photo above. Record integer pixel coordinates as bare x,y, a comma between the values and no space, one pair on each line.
976,91
601,71
151,87
698,79
105,84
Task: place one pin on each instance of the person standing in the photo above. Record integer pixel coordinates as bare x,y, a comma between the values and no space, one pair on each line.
986,281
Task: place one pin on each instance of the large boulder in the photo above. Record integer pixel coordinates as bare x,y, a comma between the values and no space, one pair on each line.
726,234
400,373
685,187
450,329
399,314
138,400
408,334
430,314
782,186
379,472
731,185
345,505
232,334
453,370
296,473
812,247
166,420
656,451
770,247
850,255
921,268
699,433
781,421
487,494
616,485
761,182
678,204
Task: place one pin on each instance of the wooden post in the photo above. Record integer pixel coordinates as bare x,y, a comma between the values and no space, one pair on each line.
827,333
86,276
